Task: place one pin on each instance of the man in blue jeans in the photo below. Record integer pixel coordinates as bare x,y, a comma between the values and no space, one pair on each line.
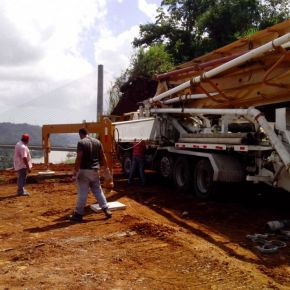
22,163
138,161
90,156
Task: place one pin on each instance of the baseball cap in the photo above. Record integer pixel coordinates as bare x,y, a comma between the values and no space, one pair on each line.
25,137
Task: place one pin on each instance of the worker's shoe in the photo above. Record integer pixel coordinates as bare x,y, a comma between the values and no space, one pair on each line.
76,217
24,193
107,212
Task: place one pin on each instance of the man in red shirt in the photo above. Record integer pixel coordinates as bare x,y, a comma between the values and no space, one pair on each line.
138,161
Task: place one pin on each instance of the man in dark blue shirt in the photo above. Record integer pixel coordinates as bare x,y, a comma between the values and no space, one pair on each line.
90,156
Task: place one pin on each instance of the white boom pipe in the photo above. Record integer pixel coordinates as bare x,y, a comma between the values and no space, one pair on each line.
230,64
251,112
188,97
200,111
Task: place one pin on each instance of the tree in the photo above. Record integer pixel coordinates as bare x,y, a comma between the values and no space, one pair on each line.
272,12
145,63
190,28
175,26
115,91
221,23
6,158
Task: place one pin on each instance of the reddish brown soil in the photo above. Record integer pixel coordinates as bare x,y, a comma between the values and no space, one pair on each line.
162,240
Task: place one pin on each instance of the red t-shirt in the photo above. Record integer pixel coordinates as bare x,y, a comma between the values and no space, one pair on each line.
139,149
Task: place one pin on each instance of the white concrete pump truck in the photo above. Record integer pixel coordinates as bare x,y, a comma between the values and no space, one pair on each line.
222,117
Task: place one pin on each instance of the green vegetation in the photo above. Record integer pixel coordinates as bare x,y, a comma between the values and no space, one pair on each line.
6,158
115,91
191,28
70,161
145,63
185,29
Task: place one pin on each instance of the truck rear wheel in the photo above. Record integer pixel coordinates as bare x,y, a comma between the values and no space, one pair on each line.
126,164
182,174
203,179
166,166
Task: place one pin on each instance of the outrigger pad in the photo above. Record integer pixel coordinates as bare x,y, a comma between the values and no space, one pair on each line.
47,172
114,205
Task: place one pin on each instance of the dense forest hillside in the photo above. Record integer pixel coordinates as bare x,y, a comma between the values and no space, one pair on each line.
11,133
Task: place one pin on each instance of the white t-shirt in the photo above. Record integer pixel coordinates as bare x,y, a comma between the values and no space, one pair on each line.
21,151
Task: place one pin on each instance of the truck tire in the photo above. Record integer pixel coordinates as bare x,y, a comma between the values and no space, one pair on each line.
182,174
166,166
203,179
126,164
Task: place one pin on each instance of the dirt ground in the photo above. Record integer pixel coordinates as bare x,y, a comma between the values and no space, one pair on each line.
162,240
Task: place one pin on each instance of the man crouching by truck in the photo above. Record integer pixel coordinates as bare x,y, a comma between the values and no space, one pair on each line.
90,156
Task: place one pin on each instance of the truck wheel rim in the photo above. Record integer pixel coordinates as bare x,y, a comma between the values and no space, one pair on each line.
203,181
165,167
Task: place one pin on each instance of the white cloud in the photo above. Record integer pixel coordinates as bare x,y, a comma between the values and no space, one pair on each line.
40,51
114,52
148,9
53,29
48,53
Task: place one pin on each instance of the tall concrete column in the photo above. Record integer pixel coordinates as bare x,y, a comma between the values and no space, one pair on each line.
100,91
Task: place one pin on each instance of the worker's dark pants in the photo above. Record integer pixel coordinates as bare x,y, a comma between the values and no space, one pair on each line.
21,180
137,163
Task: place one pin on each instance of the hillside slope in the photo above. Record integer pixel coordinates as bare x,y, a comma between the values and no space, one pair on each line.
11,133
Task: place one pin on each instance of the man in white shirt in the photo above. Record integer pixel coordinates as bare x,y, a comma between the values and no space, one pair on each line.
22,163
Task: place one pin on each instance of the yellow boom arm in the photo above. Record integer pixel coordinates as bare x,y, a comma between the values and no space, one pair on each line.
104,129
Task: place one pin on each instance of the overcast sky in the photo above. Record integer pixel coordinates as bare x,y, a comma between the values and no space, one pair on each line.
50,50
